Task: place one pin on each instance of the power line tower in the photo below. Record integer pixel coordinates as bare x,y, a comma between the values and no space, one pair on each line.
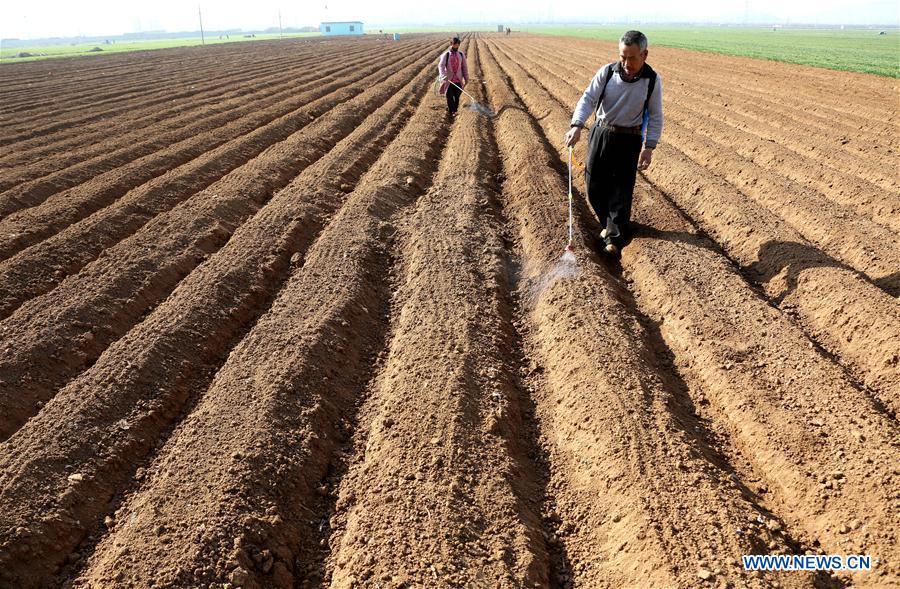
200,14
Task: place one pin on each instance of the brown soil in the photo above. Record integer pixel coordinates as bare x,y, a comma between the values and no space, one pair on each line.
263,332
40,267
181,94
131,163
92,308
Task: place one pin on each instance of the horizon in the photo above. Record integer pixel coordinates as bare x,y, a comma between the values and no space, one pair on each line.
98,18
369,29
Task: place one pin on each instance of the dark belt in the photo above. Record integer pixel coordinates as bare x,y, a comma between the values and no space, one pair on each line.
618,129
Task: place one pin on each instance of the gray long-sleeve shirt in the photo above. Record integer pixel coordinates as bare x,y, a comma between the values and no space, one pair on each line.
623,102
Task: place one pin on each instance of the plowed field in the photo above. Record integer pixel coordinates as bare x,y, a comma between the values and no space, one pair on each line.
270,319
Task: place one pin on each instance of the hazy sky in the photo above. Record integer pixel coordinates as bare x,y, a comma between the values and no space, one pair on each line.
43,18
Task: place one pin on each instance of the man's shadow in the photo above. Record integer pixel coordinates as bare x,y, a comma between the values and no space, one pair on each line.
773,258
889,284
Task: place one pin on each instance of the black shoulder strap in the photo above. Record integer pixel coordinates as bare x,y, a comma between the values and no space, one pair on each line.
445,58
609,72
650,85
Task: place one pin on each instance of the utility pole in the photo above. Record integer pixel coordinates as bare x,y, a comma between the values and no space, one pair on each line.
280,32
202,38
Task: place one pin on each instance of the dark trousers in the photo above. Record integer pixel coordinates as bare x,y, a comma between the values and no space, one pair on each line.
609,175
453,94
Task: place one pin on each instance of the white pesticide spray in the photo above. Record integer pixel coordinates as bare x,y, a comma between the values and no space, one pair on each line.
474,104
567,266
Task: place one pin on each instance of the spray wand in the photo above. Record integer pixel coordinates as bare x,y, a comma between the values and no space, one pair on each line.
474,104
570,247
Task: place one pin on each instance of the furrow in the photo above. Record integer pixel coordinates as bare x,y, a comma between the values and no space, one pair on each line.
145,380
859,197
849,153
532,449
61,146
32,131
214,152
56,88
85,141
641,503
850,239
151,157
433,476
786,407
270,424
842,311
57,85
40,268
820,445
74,323
36,80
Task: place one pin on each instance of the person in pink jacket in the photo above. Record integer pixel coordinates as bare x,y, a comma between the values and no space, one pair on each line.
453,68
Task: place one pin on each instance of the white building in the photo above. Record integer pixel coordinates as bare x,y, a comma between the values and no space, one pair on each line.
341,28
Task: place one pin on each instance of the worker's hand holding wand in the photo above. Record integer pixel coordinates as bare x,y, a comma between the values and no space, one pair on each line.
645,159
573,136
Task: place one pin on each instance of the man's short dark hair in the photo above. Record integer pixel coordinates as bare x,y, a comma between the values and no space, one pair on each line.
455,40
634,37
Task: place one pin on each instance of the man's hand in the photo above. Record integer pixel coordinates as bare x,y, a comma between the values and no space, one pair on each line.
645,159
573,136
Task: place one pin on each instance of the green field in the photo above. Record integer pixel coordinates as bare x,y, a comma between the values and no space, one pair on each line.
449,29
858,50
7,54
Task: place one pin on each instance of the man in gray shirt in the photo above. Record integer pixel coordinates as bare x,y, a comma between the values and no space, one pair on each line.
626,97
